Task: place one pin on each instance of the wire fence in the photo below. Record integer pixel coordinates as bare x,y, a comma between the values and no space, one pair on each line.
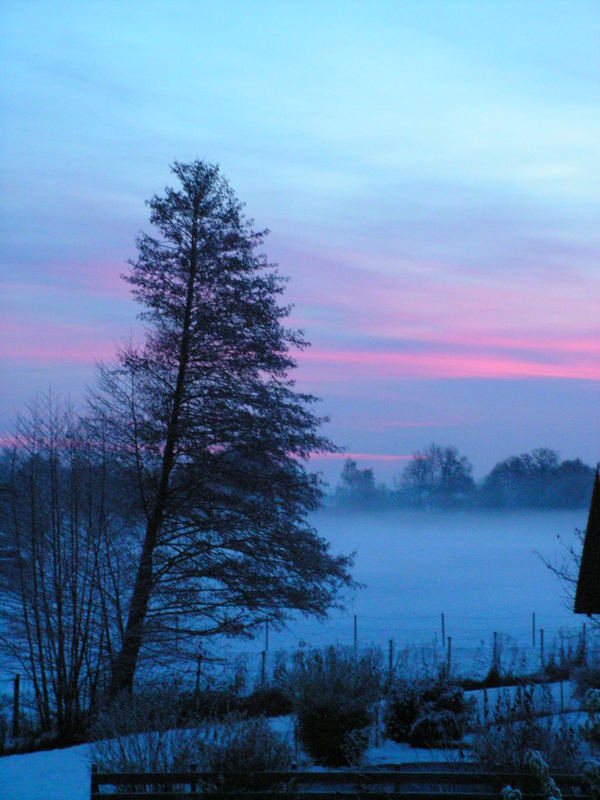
468,646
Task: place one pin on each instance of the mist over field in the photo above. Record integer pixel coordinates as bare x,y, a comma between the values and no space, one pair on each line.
480,568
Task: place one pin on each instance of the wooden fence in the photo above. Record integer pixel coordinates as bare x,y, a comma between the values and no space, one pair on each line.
417,782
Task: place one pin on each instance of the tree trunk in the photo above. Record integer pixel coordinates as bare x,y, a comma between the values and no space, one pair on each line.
124,666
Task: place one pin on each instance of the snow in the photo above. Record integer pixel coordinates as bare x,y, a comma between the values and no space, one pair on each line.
61,774
480,569
51,774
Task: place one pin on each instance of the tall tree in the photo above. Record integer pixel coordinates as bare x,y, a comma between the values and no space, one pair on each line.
206,414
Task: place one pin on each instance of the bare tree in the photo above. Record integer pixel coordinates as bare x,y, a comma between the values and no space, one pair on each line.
63,574
437,477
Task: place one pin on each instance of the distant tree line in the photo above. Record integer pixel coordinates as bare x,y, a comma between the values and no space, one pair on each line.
440,477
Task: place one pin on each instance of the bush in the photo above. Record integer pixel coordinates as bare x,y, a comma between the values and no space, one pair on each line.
271,701
427,714
333,693
139,733
587,676
401,710
233,748
435,728
208,704
332,733
240,749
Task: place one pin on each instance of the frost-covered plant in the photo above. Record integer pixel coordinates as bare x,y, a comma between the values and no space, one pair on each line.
590,730
591,777
140,733
525,721
508,793
401,709
337,670
233,749
333,691
427,714
535,764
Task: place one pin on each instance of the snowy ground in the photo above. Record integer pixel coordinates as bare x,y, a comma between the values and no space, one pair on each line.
65,774
480,569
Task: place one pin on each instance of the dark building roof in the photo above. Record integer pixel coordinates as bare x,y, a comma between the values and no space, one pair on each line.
587,595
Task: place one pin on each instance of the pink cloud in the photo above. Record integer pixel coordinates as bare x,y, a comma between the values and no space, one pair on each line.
354,363
363,456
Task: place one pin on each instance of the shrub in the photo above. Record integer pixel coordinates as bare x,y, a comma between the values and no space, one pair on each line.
427,714
272,701
334,730
522,723
590,730
435,728
401,710
214,703
233,748
587,676
139,733
240,749
333,693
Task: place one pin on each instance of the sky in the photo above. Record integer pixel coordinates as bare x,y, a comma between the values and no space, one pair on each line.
429,172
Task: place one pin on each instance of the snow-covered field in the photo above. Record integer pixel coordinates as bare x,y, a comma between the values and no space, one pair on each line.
480,569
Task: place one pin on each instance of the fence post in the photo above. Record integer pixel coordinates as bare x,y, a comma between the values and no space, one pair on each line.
193,778
94,779
391,661
449,654
443,630
263,667
15,719
197,689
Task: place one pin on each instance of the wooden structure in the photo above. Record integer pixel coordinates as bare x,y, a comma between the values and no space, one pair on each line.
410,782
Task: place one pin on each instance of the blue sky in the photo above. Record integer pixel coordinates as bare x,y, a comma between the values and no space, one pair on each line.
429,172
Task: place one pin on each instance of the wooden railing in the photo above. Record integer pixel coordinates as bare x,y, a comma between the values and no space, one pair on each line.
416,782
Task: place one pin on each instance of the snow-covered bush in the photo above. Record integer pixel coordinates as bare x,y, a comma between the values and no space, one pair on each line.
526,722
587,676
333,691
591,778
427,714
234,749
401,710
535,764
